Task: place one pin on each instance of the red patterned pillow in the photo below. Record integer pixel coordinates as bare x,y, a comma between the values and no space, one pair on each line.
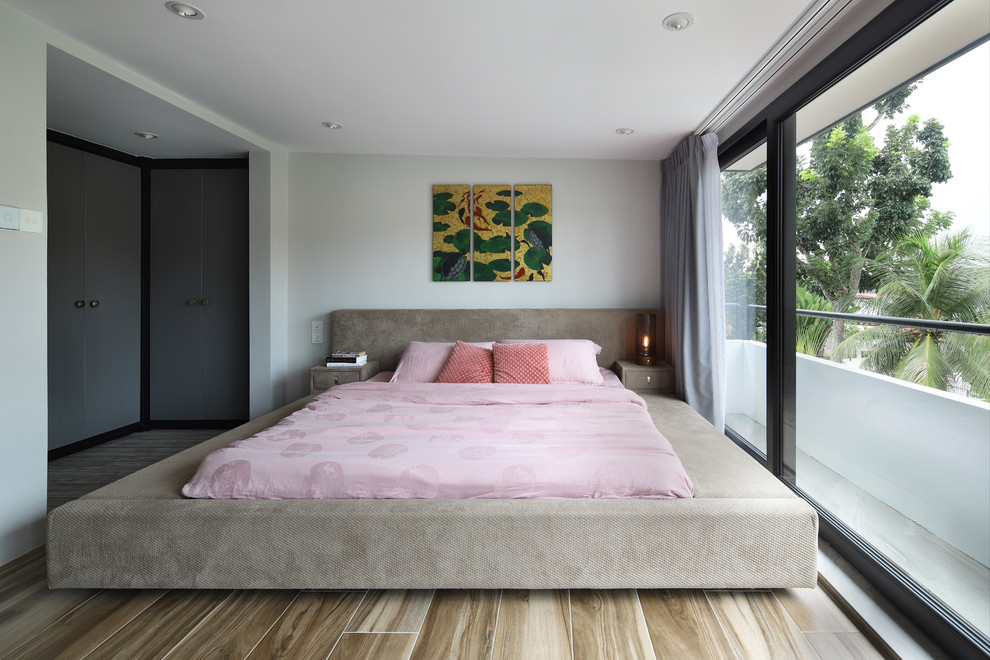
521,363
467,364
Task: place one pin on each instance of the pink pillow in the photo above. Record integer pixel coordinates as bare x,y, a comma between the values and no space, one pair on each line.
571,360
467,364
521,363
422,361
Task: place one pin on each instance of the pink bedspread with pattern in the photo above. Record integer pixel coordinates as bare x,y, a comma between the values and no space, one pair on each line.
452,441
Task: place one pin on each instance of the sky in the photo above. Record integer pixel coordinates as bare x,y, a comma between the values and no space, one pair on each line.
958,95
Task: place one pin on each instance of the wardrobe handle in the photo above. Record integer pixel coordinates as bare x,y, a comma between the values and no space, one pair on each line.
94,303
80,304
192,301
206,301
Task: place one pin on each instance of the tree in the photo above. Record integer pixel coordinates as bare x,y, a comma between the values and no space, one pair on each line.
855,199
745,286
926,277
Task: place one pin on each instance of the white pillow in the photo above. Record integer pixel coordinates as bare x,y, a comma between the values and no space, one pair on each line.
571,360
422,361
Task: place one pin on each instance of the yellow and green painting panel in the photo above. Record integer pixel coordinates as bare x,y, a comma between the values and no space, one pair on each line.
451,233
492,233
533,258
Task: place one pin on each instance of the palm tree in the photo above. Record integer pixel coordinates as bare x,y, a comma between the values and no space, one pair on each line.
812,332
926,277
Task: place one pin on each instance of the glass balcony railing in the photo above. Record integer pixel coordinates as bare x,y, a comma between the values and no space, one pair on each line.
904,466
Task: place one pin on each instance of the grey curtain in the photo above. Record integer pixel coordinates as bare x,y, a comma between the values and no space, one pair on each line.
691,287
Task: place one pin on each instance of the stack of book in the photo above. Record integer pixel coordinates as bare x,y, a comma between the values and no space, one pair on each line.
347,358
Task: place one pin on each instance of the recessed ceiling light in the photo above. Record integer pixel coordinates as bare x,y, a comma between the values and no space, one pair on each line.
185,11
146,135
332,125
624,131
679,21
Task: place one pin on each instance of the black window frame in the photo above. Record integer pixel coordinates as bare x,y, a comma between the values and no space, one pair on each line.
775,125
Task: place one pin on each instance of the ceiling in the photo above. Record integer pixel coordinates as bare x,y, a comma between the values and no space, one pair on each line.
514,78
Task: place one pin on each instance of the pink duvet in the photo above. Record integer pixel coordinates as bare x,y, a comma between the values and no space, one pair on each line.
452,441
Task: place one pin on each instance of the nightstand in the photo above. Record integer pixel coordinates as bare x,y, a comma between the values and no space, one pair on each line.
659,377
323,378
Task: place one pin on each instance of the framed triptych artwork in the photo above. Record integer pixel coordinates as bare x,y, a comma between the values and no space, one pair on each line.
492,233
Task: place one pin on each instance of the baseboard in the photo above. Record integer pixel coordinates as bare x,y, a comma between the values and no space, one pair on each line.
195,423
78,446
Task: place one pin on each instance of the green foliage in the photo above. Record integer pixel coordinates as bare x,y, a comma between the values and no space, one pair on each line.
439,226
855,199
744,204
744,267
506,193
442,204
812,332
926,277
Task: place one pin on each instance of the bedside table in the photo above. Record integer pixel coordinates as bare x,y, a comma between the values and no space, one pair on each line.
323,378
659,377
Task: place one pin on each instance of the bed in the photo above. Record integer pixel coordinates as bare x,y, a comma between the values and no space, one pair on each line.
741,529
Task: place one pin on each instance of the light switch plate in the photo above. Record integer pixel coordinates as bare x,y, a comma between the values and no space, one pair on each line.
317,332
31,221
10,217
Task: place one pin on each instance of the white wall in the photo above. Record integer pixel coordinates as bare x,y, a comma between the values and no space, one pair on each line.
267,279
923,452
24,282
360,236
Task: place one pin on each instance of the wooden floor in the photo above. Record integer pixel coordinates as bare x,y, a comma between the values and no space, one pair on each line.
79,473
38,623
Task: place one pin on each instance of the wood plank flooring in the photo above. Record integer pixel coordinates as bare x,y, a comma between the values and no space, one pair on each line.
37,623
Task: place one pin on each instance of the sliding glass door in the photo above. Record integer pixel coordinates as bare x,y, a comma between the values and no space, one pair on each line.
744,243
857,270
892,421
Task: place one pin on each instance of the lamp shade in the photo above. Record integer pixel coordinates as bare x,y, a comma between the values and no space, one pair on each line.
646,338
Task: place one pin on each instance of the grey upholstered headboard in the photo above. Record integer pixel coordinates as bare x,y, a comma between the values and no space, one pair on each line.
384,333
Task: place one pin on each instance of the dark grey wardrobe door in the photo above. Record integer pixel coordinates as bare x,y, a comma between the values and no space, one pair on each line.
113,295
225,277
94,295
176,386
199,292
66,259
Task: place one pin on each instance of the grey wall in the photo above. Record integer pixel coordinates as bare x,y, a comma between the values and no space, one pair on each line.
360,236
23,280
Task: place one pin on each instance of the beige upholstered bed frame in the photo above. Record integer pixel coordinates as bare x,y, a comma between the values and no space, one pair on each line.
743,528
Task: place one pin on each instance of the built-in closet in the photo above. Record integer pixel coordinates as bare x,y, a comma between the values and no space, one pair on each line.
94,295
148,293
199,297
